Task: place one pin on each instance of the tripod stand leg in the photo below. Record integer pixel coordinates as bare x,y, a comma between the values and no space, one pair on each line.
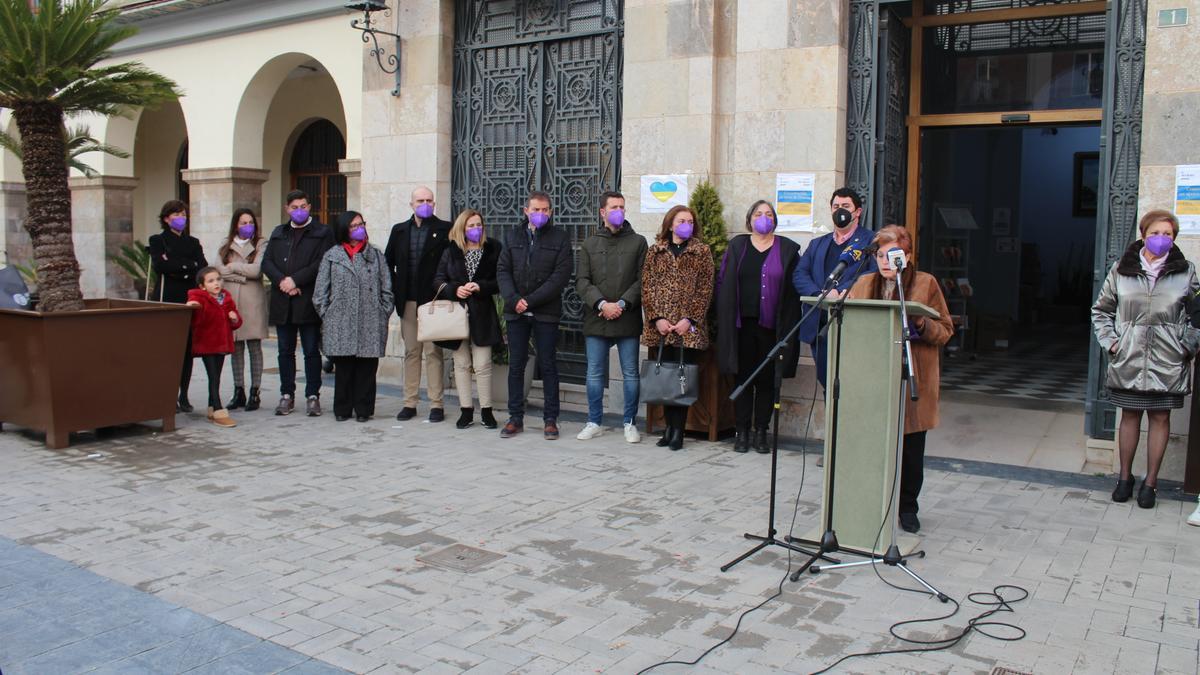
916,577
747,554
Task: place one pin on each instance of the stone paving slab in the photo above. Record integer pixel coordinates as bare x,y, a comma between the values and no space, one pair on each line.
58,618
303,535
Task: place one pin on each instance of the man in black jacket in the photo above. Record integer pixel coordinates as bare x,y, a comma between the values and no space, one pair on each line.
534,268
291,262
413,251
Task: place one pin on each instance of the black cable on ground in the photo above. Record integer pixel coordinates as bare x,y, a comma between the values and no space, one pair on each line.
779,590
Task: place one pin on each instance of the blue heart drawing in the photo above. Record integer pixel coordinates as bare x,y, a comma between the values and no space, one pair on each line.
663,191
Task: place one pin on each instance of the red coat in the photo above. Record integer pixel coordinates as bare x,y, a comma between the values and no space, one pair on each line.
212,329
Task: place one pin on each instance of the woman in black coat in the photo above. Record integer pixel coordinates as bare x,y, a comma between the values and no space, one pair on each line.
176,257
756,306
467,273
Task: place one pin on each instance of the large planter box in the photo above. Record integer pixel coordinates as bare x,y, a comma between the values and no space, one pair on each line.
115,362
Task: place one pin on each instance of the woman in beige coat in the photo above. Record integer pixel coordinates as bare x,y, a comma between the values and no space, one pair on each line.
240,263
927,336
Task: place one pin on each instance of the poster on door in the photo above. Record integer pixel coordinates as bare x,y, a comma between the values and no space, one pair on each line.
794,201
1187,198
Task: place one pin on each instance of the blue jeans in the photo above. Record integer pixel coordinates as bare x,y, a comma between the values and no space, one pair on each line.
310,341
597,373
545,338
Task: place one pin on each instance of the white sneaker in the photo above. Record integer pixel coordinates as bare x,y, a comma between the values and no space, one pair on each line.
1194,519
632,436
590,431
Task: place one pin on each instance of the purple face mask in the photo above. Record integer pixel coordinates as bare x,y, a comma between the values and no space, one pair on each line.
246,230
423,210
538,219
616,218
358,233
763,224
684,230
300,216
178,223
1158,244
474,234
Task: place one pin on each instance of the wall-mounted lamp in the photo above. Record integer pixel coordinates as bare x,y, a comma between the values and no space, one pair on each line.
370,35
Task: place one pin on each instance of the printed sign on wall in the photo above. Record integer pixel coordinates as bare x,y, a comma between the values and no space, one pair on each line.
794,201
662,191
1187,197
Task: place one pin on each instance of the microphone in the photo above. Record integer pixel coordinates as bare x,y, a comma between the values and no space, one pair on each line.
850,256
896,259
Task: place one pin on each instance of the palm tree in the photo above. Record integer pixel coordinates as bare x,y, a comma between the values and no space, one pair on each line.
78,141
49,56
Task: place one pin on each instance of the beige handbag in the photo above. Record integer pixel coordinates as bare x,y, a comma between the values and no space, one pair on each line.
442,320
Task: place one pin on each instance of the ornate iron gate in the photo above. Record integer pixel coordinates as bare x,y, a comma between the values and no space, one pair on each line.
537,106
1120,169
876,128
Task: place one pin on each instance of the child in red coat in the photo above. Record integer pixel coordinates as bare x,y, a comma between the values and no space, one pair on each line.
213,323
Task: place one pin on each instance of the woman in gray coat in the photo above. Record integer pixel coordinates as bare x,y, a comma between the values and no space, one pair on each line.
353,296
1142,320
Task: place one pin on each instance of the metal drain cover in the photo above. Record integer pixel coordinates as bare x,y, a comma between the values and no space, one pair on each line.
460,557
1000,670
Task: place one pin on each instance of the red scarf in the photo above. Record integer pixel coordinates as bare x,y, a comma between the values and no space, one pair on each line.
354,247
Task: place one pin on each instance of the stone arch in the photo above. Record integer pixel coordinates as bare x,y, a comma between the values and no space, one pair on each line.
306,94
158,136
264,91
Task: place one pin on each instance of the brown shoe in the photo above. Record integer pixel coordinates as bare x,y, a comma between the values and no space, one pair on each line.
551,430
512,428
221,418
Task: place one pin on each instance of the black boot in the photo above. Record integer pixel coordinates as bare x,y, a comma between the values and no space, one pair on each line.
182,405
761,445
1124,490
666,437
741,440
253,401
676,439
238,400
465,418
487,419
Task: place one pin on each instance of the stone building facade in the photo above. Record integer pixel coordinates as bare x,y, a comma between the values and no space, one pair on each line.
731,91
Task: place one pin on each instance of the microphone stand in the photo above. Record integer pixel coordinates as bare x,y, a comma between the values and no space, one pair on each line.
908,380
777,353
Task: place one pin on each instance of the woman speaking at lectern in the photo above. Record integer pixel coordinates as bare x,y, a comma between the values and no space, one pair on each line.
927,336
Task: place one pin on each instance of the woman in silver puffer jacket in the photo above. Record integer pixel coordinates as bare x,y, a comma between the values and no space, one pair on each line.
1142,319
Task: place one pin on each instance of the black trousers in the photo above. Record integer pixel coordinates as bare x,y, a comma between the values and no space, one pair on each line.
354,386
756,404
675,416
185,376
213,363
912,471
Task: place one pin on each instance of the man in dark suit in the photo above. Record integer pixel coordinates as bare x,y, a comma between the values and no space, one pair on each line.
819,260
413,251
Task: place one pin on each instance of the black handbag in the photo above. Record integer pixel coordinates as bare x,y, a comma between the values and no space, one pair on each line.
676,384
14,294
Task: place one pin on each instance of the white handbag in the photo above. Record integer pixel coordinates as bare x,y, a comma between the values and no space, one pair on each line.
442,320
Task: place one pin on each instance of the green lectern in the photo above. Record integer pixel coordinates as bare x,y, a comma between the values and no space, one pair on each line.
864,426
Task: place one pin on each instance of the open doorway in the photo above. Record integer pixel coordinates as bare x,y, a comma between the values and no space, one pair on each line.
1008,224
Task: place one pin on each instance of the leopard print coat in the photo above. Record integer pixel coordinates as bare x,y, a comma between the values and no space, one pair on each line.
674,288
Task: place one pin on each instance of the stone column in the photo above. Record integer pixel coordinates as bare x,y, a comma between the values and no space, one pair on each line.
352,170
14,241
215,193
101,222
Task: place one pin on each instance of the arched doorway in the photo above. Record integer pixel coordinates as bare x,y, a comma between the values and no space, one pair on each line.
314,169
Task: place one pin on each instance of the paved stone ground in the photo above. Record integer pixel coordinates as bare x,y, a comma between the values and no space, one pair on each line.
306,533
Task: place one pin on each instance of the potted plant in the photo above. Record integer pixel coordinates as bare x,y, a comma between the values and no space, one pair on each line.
712,413
70,365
